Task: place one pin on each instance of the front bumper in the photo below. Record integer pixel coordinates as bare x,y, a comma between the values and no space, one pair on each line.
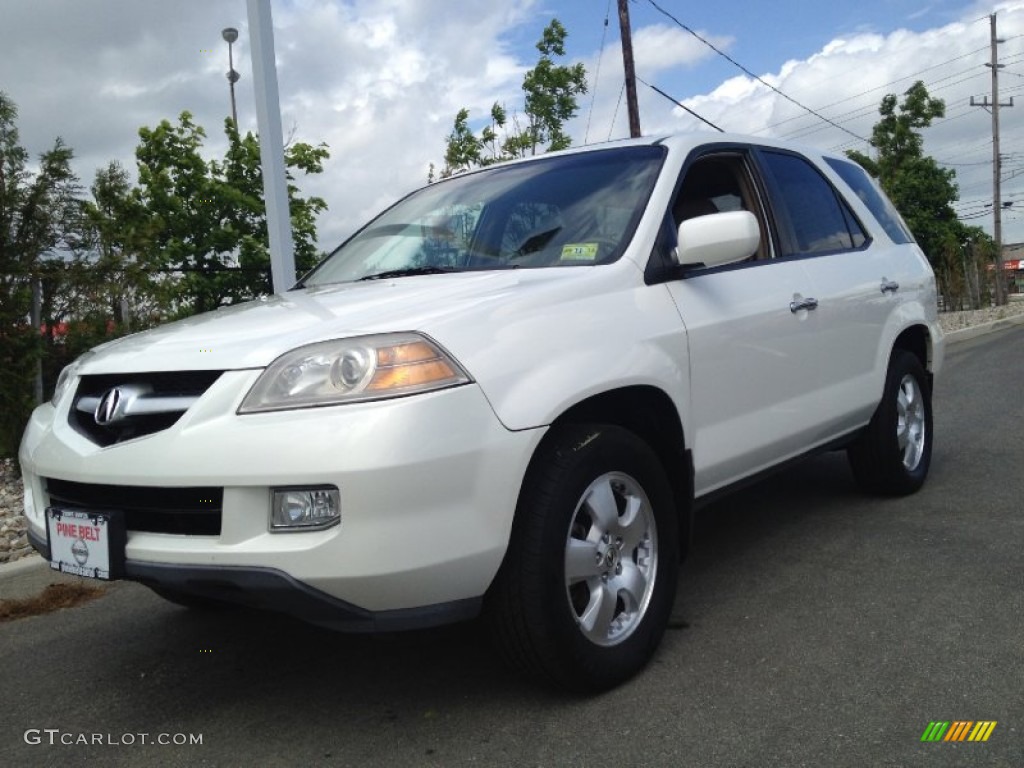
267,589
428,489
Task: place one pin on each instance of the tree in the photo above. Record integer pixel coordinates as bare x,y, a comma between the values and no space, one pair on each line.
38,212
921,190
240,186
209,218
191,236
120,270
551,93
550,99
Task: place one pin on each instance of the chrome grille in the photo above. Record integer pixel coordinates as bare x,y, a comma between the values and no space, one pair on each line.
112,408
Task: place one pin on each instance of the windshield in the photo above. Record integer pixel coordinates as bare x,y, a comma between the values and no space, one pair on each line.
569,211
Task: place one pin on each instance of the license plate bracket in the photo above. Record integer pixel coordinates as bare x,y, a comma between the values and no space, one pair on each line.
86,542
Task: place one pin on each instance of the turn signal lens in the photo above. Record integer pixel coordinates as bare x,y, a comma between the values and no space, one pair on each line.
420,374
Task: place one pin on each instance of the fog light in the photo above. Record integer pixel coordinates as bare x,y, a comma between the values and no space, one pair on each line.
302,509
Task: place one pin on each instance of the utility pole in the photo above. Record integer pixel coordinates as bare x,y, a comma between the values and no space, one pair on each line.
268,122
627,61
997,164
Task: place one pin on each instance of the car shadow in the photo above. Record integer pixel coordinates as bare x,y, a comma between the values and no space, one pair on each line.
299,661
290,674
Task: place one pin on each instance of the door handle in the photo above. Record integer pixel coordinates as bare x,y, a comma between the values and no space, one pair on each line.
796,306
889,285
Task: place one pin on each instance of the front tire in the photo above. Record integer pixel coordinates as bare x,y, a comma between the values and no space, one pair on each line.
588,583
894,453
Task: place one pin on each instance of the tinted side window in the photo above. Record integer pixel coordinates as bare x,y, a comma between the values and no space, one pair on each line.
818,221
856,233
873,198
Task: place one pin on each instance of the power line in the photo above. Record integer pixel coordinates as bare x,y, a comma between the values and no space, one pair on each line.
879,87
746,71
866,110
959,165
678,103
800,133
615,114
980,205
597,73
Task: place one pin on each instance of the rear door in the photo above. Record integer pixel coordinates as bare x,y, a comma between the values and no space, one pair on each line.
854,278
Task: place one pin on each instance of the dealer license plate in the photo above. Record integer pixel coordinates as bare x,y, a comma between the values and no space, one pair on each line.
85,543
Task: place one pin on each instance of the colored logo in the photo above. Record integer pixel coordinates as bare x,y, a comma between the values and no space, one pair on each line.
958,730
80,551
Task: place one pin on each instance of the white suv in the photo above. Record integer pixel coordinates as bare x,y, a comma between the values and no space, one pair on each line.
506,393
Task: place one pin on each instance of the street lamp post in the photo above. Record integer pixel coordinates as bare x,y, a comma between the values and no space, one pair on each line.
230,34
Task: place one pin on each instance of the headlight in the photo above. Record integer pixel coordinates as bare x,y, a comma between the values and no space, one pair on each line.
350,370
66,377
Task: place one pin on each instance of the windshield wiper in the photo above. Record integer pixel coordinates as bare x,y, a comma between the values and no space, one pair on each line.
408,271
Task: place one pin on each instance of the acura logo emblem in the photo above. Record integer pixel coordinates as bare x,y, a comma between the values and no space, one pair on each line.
110,408
120,403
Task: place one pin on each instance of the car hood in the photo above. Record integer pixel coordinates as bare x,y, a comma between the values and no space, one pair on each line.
253,334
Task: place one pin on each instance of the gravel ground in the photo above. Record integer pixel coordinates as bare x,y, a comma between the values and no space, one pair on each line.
14,542
13,538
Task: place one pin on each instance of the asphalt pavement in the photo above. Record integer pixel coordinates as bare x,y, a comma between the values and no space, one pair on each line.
814,627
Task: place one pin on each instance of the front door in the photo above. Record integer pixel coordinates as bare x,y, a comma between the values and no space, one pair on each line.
754,381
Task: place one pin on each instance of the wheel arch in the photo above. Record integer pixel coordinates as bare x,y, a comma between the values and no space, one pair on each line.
649,413
918,341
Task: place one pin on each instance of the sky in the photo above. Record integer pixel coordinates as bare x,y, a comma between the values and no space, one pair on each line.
380,81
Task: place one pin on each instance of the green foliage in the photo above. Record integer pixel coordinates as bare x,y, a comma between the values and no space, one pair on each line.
924,193
209,218
463,150
37,211
116,268
19,350
550,93
191,236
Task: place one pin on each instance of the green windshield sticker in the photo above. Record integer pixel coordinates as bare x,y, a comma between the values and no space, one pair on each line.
579,252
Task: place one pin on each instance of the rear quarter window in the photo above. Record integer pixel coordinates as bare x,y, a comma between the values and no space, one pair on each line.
873,198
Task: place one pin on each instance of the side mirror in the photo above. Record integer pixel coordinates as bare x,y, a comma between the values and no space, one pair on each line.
718,238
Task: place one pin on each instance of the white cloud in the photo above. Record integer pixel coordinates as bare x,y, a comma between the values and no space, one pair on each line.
660,47
846,80
378,80
381,80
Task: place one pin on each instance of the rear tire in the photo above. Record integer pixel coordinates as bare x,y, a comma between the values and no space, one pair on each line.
587,585
894,453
